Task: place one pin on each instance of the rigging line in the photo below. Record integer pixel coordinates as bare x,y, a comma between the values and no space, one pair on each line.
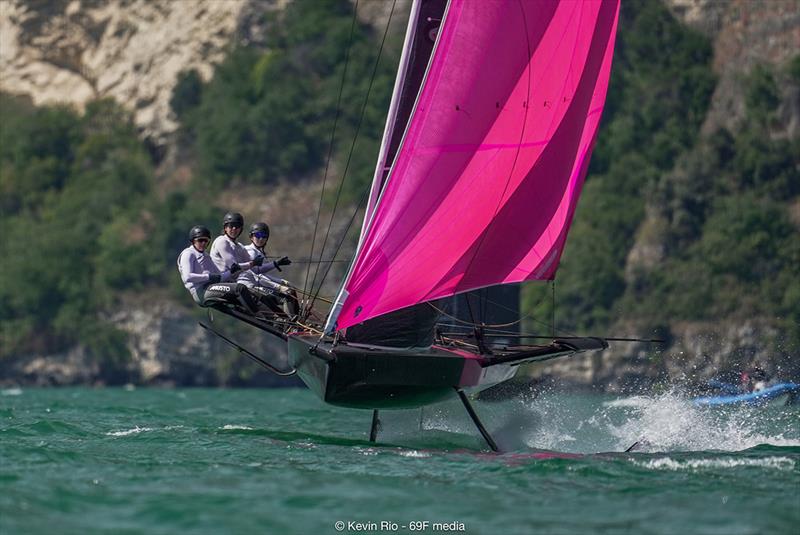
350,154
499,332
353,144
554,307
330,145
323,299
338,247
511,334
470,323
306,261
485,305
526,105
469,309
479,306
530,317
488,302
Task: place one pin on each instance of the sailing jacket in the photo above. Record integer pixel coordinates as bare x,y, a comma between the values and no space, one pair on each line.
261,271
195,268
225,251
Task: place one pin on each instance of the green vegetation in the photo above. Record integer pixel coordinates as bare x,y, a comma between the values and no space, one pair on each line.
80,224
655,104
83,223
732,250
268,114
718,206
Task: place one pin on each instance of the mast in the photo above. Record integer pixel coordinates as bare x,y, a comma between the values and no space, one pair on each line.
381,169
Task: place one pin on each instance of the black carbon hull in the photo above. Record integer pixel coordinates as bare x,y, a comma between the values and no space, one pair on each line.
379,378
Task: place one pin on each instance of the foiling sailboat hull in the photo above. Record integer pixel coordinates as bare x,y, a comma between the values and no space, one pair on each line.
371,377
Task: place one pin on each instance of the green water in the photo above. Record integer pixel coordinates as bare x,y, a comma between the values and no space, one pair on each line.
280,461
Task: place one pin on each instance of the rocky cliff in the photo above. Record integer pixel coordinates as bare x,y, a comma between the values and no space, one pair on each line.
131,50
72,51
167,347
745,33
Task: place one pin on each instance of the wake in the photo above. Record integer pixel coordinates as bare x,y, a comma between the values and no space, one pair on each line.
587,424
671,422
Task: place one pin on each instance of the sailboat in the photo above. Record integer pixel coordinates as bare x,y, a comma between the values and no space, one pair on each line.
494,114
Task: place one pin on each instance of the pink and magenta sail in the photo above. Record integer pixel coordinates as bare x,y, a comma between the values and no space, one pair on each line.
484,186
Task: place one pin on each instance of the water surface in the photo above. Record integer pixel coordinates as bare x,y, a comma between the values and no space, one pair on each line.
280,461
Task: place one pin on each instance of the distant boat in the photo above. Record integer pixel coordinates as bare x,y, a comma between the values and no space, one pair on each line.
492,122
778,394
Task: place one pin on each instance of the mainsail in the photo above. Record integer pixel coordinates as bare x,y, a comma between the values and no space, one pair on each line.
484,185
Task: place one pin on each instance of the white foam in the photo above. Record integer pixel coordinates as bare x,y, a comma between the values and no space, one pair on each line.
230,427
666,463
135,431
414,454
634,401
670,422
11,392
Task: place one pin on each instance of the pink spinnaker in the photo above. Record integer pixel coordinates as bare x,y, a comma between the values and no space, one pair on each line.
485,184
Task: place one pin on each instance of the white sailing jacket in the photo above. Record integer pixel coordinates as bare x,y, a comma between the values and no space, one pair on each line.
225,251
195,269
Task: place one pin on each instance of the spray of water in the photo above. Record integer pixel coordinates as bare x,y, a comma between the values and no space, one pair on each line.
585,424
671,422
659,423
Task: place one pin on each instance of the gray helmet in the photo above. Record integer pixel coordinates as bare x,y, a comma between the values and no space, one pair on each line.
259,227
234,218
199,231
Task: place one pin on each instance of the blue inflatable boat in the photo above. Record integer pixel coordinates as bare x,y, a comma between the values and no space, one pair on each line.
779,394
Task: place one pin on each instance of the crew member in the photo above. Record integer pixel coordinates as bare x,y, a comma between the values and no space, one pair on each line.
259,234
226,251
197,269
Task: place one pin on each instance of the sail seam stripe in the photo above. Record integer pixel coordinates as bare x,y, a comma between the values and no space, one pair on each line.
521,137
474,147
567,81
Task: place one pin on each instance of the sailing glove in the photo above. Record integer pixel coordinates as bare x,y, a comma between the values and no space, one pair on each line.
282,262
257,261
214,278
234,269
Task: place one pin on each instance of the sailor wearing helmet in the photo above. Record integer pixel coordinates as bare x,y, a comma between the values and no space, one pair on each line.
197,269
259,234
226,251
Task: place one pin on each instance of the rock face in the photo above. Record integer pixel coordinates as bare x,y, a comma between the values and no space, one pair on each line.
69,368
167,344
72,51
744,34
131,50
